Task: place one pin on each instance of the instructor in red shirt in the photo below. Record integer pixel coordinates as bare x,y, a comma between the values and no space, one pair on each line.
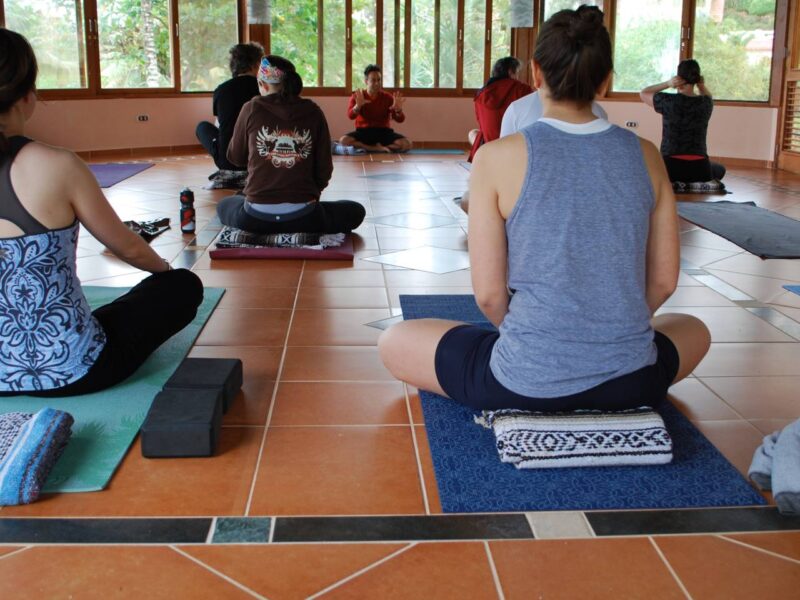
373,109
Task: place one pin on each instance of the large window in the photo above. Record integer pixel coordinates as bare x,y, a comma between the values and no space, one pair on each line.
88,47
733,44
55,30
647,40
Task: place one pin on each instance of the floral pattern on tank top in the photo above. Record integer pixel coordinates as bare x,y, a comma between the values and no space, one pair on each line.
48,336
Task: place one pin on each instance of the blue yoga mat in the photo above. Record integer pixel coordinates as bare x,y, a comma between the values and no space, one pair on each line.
471,477
106,422
795,289
108,174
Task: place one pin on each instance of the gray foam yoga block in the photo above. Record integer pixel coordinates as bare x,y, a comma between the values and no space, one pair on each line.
223,374
182,423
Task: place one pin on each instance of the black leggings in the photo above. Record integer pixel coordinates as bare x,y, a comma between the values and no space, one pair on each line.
208,135
136,324
341,216
693,171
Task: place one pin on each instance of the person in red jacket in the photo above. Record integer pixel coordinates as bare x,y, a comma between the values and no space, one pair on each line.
494,98
373,109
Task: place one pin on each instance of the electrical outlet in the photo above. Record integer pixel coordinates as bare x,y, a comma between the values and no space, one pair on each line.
631,124
143,118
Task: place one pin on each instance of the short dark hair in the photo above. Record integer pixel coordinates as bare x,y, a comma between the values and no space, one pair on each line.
504,65
18,71
245,57
574,52
689,71
371,69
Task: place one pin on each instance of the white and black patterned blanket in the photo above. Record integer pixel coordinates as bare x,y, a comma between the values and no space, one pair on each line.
230,237
699,187
579,439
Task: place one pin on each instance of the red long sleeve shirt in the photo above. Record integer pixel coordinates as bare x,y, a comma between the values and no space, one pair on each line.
375,113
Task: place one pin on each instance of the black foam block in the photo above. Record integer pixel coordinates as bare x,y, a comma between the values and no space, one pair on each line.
223,374
182,423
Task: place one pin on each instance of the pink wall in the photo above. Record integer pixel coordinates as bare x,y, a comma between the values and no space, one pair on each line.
111,124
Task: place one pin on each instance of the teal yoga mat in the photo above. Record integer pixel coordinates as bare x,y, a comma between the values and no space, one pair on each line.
107,422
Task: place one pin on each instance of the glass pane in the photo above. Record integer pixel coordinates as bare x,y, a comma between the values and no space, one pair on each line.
448,42
551,7
135,44
474,38
294,36
208,28
733,44
501,30
422,43
364,37
333,44
646,43
55,30
389,45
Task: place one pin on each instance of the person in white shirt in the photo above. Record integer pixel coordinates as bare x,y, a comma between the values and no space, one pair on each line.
528,109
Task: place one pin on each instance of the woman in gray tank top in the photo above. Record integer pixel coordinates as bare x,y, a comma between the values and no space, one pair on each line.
577,217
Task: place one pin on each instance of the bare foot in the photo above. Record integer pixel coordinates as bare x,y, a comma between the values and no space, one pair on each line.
384,149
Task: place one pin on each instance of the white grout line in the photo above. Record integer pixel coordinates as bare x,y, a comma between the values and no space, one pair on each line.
416,453
17,551
360,572
669,568
495,576
274,393
211,530
588,524
273,521
219,574
759,549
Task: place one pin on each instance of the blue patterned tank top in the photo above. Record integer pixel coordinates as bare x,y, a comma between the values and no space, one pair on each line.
48,336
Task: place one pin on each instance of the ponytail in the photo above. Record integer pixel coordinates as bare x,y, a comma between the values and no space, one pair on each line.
18,70
292,85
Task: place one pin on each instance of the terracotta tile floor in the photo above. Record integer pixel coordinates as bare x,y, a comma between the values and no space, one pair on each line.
321,428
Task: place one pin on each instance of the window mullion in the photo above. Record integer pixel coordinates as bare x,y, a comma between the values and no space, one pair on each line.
379,32
687,29
436,40
320,42
460,50
407,46
174,20
348,57
487,42
91,25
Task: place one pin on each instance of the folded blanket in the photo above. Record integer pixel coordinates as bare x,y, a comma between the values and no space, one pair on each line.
30,444
226,179
531,440
699,187
231,237
337,148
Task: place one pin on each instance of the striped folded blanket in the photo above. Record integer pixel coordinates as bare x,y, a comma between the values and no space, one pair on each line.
230,237
30,445
531,440
715,186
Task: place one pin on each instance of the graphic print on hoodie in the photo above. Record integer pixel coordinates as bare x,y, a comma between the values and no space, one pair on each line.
286,145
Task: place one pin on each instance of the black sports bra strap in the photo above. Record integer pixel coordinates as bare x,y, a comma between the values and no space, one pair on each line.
11,208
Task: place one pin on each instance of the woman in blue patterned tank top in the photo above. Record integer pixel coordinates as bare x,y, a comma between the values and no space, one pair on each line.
51,343
573,241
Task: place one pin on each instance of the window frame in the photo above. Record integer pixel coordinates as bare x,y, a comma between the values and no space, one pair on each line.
522,45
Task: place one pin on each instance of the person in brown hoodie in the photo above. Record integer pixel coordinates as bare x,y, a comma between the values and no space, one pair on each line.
284,141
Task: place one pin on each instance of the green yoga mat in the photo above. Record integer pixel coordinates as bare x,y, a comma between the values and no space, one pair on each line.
107,422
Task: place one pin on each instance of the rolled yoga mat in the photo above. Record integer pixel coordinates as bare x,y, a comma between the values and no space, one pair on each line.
471,477
759,231
107,422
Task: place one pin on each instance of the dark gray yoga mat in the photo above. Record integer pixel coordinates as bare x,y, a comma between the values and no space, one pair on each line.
759,231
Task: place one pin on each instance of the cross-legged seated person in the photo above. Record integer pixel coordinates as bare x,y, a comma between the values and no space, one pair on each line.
373,109
284,141
577,217
229,97
685,117
52,344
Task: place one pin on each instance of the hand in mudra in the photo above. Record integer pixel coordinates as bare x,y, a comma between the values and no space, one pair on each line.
360,99
397,105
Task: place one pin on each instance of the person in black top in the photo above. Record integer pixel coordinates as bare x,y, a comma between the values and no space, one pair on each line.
229,98
685,117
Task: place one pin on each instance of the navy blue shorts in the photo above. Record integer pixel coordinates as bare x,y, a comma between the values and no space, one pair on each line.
462,368
376,135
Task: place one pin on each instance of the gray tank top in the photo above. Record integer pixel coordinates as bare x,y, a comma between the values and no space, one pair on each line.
577,241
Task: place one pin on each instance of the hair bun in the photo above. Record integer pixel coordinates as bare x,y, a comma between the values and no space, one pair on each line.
587,21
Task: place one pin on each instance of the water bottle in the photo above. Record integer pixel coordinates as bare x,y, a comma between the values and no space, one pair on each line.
187,211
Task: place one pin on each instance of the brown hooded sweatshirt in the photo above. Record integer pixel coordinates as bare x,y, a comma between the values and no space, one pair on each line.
286,146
